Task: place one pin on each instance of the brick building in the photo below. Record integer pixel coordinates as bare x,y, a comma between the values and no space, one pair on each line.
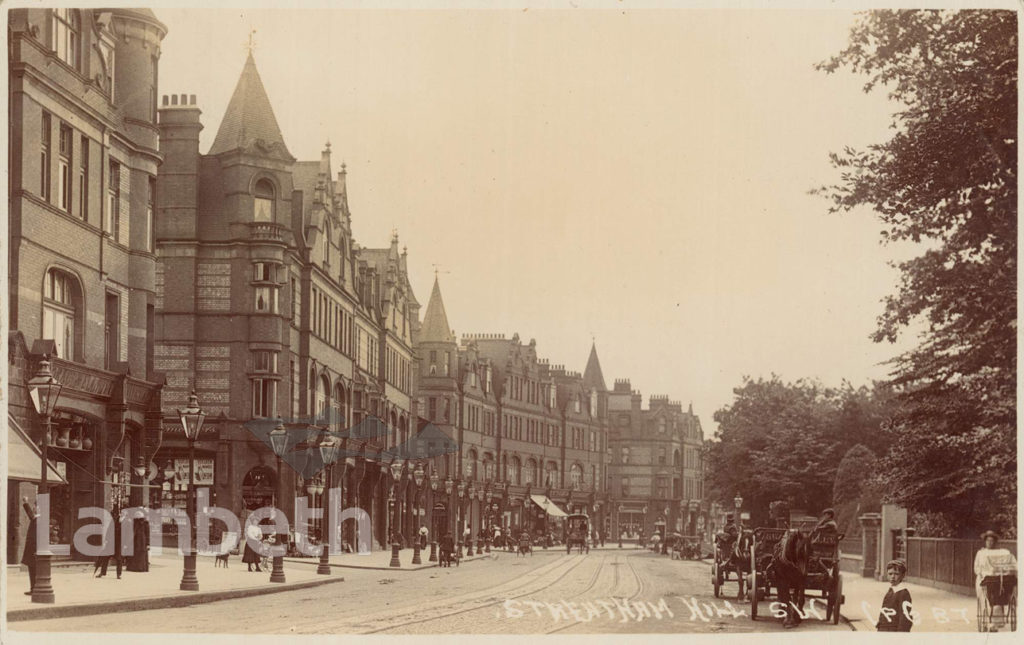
656,470
531,436
83,161
271,311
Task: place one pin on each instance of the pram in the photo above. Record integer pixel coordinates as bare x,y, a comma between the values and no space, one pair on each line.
997,592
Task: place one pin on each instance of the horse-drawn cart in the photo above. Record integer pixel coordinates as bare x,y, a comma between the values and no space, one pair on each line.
762,549
577,528
823,573
786,552
729,562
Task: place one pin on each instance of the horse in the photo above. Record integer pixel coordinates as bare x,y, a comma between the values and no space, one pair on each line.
789,572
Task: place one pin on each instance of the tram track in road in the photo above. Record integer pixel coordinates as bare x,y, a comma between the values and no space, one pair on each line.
616,566
530,583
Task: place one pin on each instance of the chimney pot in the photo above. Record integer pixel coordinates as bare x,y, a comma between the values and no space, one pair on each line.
174,99
166,99
192,99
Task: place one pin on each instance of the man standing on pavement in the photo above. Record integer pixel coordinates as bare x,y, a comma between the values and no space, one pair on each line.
28,556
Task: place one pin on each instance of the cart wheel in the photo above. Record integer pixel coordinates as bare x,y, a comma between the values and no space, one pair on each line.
742,586
753,585
1011,609
836,597
717,573
982,617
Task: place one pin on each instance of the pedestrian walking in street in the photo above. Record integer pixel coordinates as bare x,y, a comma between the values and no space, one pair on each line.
250,556
447,548
112,536
896,606
424,532
28,556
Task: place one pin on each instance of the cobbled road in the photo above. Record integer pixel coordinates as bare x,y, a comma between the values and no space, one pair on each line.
607,591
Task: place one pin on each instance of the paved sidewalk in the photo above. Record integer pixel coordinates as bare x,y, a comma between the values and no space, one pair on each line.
937,610
78,593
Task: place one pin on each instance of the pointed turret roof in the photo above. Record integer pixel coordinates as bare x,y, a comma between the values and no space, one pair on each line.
435,327
249,119
592,376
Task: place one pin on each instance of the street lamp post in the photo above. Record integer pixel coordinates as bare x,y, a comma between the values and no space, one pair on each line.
449,487
44,390
619,525
417,478
434,481
469,511
643,527
192,417
396,474
461,519
279,443
738,501
328,454
486,520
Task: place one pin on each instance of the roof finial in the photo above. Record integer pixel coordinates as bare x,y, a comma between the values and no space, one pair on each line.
343,167
251,45
328,145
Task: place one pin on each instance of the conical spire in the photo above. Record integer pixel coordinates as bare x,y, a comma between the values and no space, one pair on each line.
249,118
435,321
592,376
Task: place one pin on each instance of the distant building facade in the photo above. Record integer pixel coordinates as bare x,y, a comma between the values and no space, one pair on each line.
83,166
532,437
656,472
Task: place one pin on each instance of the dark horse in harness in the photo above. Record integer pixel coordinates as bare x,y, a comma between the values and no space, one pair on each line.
789,572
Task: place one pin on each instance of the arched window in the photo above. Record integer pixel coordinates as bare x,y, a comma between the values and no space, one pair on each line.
675,458
515,471
489,467
530,475
311,384
263,201
470,465
323,397
338,408
61,307
576,476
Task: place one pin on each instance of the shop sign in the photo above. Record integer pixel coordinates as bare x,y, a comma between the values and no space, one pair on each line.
204,471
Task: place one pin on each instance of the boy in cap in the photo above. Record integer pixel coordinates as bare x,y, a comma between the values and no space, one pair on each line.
896,606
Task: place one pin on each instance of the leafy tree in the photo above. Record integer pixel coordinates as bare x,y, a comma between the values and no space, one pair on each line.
946,178
785,441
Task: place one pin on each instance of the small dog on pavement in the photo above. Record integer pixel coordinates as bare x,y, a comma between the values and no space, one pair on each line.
221,558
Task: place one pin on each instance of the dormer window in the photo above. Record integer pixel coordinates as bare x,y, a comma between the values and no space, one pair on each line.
263,201
576,404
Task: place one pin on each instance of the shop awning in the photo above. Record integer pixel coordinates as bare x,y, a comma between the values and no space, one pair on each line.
549,507
24,460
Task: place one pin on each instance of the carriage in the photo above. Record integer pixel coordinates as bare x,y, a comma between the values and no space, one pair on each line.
997,592
823,573
729,561
577,528
762,549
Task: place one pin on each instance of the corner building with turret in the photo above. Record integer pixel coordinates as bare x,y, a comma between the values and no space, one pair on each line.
268,308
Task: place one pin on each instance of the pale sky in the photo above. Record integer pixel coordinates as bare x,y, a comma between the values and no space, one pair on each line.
638,176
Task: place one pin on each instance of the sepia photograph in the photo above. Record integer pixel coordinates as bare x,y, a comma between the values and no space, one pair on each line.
456,320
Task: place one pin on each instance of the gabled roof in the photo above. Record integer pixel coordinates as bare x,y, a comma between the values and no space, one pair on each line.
592,376
249,120
435,327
